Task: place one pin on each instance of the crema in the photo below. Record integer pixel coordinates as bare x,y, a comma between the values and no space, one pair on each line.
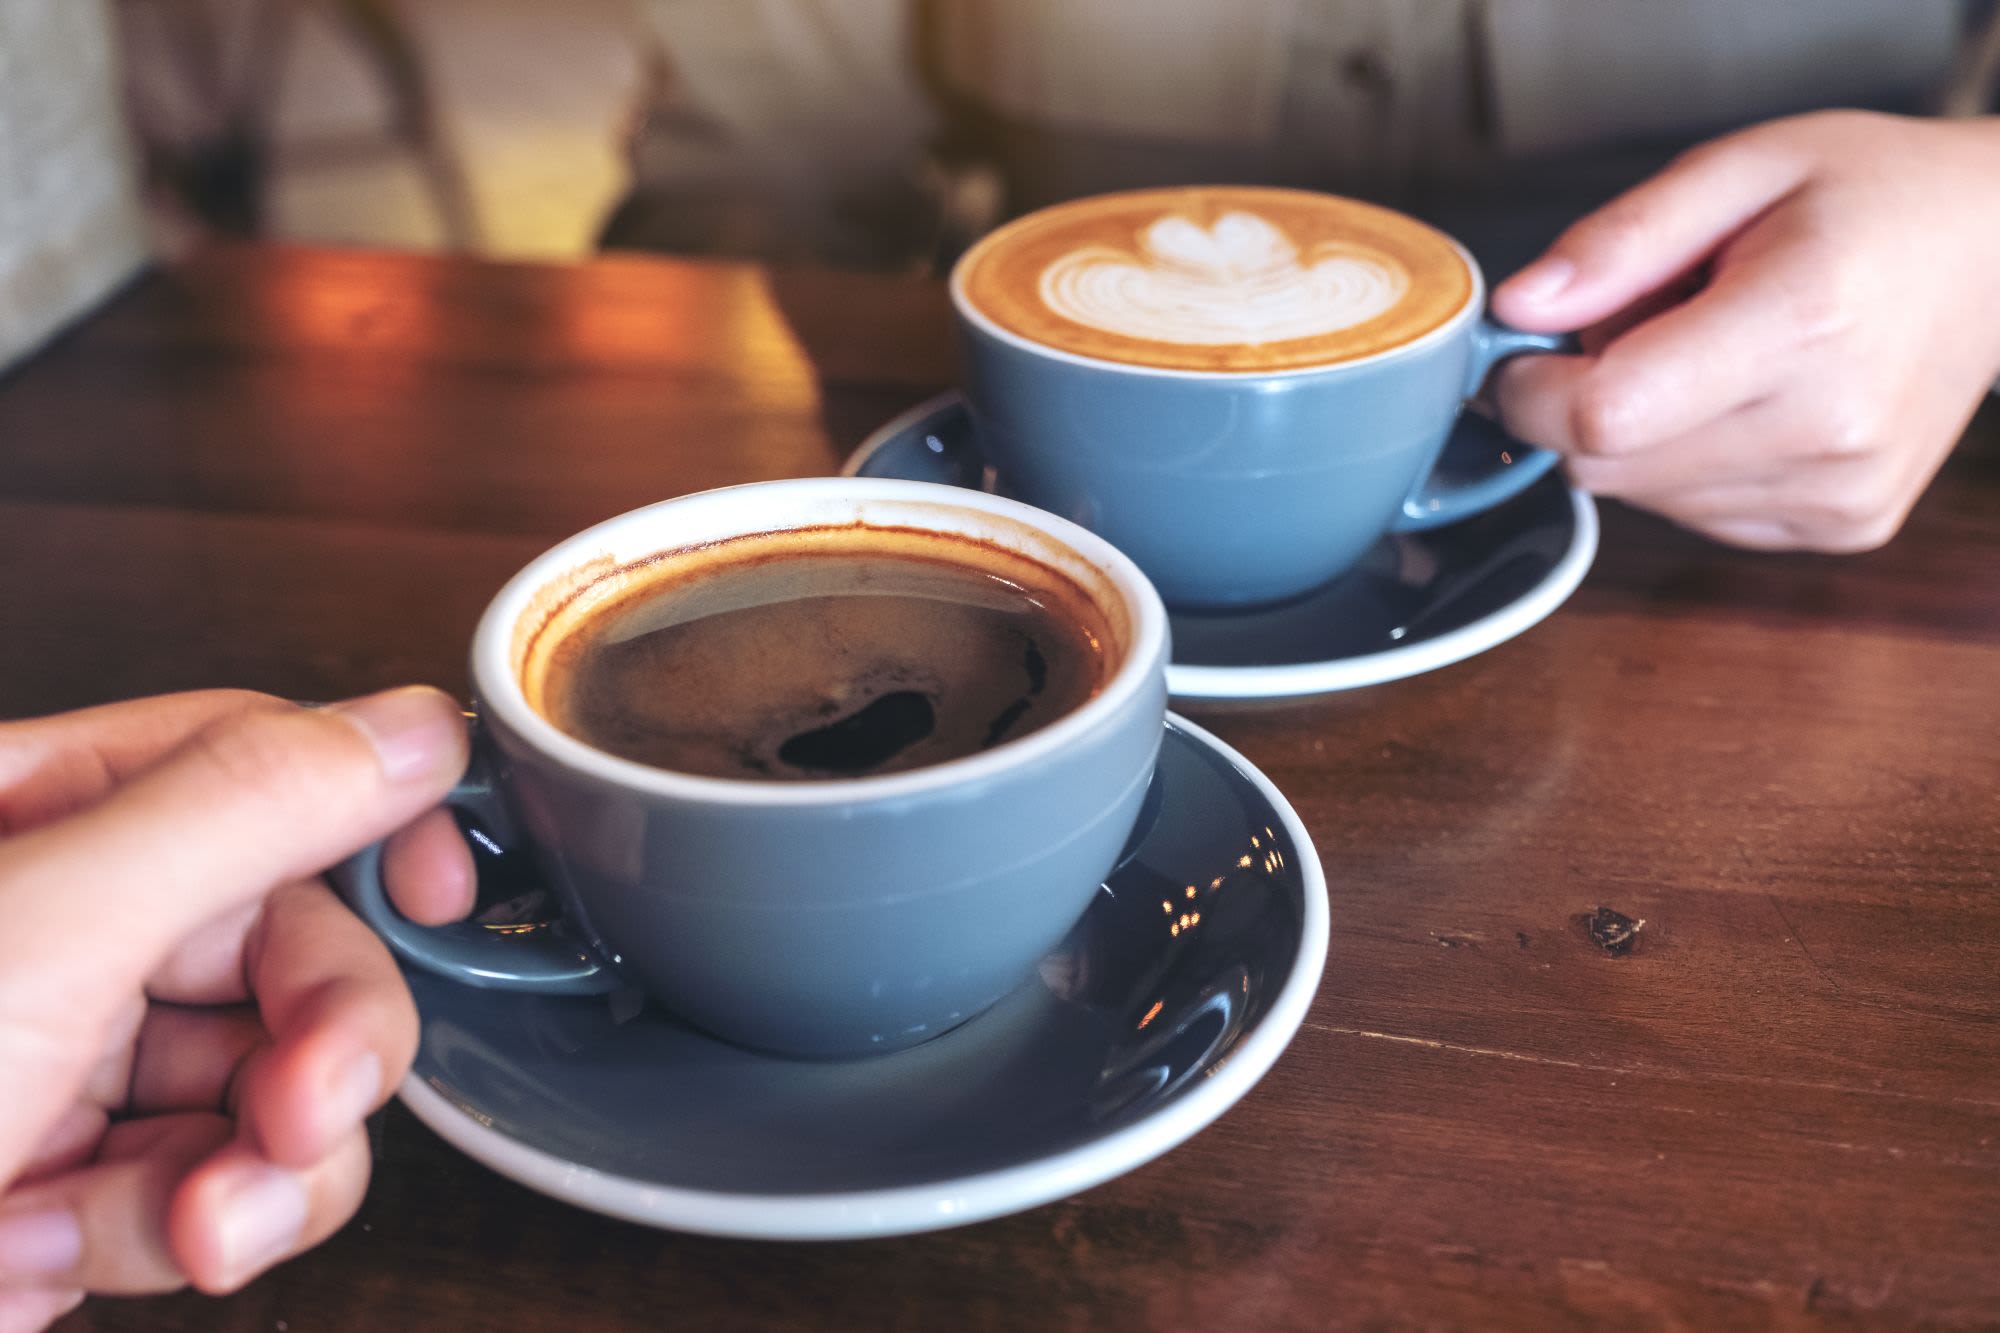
1217,278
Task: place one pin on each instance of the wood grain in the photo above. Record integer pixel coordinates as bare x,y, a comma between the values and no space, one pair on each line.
305,472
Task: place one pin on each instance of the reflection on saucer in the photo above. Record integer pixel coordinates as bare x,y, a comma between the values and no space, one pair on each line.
1184,981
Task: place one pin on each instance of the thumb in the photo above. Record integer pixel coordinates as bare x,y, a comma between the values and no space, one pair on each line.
1652,235
93,903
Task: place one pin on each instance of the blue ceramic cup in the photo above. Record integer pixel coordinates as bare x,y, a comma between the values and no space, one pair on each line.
821,918
1234,488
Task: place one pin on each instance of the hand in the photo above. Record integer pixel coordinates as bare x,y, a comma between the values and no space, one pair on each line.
192,1028
1786,330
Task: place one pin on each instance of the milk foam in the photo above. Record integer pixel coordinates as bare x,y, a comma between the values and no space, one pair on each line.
1241,280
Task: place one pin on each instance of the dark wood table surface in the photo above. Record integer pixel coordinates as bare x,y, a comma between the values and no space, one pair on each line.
305,472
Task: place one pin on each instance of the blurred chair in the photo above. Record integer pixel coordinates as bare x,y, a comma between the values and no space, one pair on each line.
213,156
793,129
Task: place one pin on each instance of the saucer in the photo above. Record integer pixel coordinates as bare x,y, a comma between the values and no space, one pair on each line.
1416,602
1178,989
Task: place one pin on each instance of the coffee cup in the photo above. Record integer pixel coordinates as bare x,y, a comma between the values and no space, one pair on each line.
1241,388
799,913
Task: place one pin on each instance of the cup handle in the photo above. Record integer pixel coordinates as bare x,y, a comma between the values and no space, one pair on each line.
1437,501
535,956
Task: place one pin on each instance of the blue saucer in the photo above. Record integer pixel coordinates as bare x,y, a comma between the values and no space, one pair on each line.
1179,988
1417,602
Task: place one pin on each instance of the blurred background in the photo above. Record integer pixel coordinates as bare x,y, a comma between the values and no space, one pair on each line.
873,134
887,133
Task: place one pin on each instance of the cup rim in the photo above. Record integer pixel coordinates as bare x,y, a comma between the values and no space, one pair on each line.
501,696
1475,301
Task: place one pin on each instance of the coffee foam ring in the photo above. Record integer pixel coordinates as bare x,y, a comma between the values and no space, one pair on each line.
1184,230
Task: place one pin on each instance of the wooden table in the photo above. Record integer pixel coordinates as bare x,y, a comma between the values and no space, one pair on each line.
305,472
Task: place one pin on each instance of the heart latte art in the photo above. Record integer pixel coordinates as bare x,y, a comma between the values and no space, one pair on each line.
1218,278
1238,281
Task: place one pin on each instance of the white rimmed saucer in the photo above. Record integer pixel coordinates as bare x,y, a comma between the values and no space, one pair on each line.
1177,991
1417,602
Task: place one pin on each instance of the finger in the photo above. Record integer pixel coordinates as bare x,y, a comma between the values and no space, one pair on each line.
1828,490
32,1311
188,1059
1537,397
1815,536
428,870
261,798
1676,375
343,1028
1754,534
1749,444
67,1144
1596,337
1651,235
237,1214
107,1078
1697,362
276,794
206,966
136,1139
1834,506
103,1228
52,766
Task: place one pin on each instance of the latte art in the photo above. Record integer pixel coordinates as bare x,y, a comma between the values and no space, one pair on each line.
1215,279
1238,281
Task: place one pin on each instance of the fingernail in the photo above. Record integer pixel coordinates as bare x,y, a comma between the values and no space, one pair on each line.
40,1243
1542,280
415,730
353,1090
263,1213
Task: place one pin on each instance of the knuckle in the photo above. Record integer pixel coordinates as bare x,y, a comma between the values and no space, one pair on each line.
1599,476
1620,229
1841,122
246,701
1871,534
1818,286
1820,308
268,754
1757,533
1781,144
1708,153
1602,418
1860,513
1860,496
1853,508
37,1037
1851,429
1756,151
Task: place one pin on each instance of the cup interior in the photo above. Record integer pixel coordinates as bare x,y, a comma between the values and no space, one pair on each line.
559,589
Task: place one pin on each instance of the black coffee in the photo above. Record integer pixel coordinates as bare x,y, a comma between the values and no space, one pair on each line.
827,653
